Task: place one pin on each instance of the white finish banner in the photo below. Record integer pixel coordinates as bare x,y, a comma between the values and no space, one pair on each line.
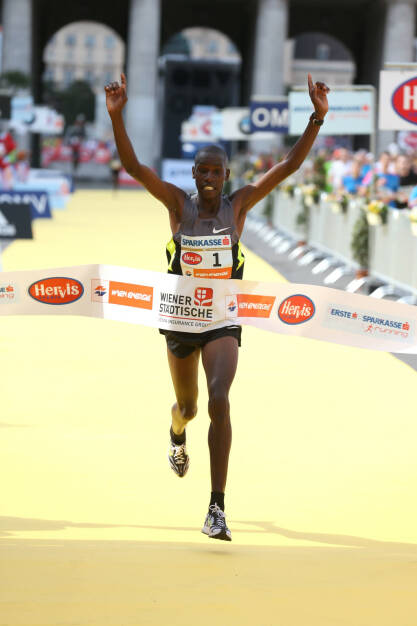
196,305
350,113
178,172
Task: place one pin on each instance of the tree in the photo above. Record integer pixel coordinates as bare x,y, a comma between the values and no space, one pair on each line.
15,80
78,98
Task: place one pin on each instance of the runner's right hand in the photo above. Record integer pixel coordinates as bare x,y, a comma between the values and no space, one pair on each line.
116,96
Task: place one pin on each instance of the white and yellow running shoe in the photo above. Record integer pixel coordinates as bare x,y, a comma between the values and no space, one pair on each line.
178,458
215,524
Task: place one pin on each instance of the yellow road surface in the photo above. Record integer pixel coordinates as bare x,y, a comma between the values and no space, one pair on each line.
95,529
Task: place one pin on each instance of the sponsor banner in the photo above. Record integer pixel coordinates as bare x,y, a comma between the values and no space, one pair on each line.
397,100
123,294
196,304
269,115
8,293
350,113
15,221
57,290
58,188
37,200
296,309
178,172
26,116
362,322
248,305
236,125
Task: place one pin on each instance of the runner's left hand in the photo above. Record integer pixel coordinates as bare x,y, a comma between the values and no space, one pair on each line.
318,94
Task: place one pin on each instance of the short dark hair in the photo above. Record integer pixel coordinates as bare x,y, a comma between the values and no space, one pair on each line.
211,149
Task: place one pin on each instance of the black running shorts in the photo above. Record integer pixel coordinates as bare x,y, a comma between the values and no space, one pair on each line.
184,344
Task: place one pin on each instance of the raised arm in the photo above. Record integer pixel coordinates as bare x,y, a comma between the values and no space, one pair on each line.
250,195
170,195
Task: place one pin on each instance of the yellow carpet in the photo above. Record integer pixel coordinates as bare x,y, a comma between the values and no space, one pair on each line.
96,529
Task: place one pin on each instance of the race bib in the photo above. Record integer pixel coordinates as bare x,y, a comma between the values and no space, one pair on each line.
207,257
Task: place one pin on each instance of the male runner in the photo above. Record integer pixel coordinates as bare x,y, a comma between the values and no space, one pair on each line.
192,218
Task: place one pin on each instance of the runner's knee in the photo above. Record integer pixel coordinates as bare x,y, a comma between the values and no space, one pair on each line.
188,410
218,405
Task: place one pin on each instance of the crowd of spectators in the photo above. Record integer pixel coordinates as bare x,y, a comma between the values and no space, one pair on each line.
391,178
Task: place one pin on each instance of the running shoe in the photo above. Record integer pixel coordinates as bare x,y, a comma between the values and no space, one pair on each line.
178,458
215,524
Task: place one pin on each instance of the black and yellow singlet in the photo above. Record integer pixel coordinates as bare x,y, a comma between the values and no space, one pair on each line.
206,247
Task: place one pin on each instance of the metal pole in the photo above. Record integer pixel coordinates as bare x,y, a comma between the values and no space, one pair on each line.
3,245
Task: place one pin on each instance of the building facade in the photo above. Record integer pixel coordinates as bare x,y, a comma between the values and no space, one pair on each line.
86,51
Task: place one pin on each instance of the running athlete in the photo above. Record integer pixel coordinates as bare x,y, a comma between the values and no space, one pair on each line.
192,219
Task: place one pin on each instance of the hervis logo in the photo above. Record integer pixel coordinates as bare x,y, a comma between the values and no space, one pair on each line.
192,258
296,309
404,100
56,290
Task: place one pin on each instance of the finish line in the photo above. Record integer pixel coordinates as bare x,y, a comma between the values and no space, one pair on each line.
196,305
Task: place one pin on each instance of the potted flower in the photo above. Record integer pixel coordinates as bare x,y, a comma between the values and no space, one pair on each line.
338,202
360,244
288,189
376,213
413,220
311,194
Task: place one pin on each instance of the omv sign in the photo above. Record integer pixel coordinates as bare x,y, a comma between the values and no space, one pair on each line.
404,100
269,115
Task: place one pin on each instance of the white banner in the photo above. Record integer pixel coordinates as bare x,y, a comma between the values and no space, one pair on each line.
398,100
196,305
25,116
236,125
178,172
350,113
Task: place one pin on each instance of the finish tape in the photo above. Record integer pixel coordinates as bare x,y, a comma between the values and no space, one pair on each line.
195,305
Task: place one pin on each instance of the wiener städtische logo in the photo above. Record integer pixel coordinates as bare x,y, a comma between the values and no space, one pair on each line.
296,309
56,290
203,296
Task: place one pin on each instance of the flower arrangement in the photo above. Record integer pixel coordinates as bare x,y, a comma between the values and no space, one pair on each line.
376,212
339,203
288,189
360,241
413,220
311,194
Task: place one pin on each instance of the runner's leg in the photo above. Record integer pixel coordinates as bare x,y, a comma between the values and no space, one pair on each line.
184,374
219,359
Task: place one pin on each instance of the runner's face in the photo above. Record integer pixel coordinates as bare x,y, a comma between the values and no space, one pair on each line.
209,173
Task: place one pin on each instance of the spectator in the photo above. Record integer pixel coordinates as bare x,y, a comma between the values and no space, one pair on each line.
412,200
339,168
353,180
408,179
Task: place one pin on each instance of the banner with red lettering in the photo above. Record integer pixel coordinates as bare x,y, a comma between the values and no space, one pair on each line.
196,304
